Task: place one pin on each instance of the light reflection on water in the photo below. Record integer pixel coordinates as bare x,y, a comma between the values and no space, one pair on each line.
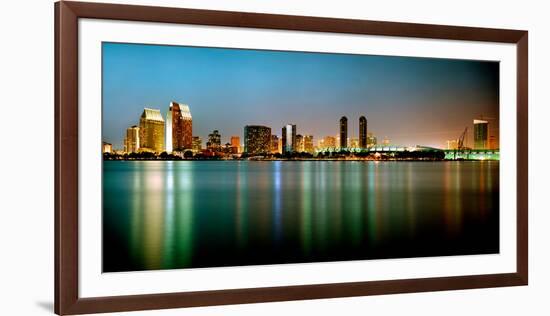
178,214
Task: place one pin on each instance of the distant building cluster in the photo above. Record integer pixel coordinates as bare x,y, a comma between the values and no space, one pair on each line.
482,139
173,134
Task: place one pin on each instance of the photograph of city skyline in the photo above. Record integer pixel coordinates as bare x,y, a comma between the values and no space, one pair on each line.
222,157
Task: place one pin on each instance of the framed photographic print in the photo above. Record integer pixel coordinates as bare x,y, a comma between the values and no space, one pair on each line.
211,157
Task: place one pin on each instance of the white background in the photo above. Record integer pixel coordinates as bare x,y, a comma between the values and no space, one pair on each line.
26,100
94,283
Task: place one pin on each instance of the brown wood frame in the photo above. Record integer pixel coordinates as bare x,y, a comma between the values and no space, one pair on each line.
67,300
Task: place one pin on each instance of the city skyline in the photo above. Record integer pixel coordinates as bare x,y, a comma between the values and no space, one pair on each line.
316,116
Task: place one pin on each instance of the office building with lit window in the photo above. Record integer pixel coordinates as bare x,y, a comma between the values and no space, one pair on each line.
362,132
235,144
343,132
299,143
179,127
131,140
107,148
371,140
274,144
481,134
329,142
151,131
289,138
197,144
308,143
214,141
257,139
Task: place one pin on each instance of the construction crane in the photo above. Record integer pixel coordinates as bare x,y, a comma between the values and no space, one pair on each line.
461,139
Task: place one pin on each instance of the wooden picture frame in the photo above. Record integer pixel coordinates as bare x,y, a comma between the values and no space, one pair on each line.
67,14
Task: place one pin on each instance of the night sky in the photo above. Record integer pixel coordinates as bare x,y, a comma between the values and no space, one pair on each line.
411,101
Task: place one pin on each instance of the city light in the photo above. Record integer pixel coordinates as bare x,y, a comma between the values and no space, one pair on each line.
157,138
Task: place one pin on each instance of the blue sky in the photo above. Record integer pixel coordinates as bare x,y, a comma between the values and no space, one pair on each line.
409,100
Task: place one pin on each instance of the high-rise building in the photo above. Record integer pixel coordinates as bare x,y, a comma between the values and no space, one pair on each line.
329,142
107,147
197,144
481,134
257,139
274,144
299,143
343,132
179,127
362,132
371,140
289,138
131,140
308,143
235,144
151,130
214,141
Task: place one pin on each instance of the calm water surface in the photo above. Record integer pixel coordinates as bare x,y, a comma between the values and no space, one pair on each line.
182,214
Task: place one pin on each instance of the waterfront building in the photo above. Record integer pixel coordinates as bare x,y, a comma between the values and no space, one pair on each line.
275,144
131,140
280,145
371,140
289,138
452,144
329,142
257,139
343,132
107,148
354,142
386,141
299,143
362,132
197,144
235,144
214,141
179,128
308,144
151,131
481,134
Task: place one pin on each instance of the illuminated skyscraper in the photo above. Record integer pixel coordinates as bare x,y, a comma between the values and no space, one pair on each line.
257,139
308,143
235,144
274,144
343,132
107,147
214,141
481,134
289,138
299,143
362,132
371,140
131,140
197,144
329,142
151,130
179,127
